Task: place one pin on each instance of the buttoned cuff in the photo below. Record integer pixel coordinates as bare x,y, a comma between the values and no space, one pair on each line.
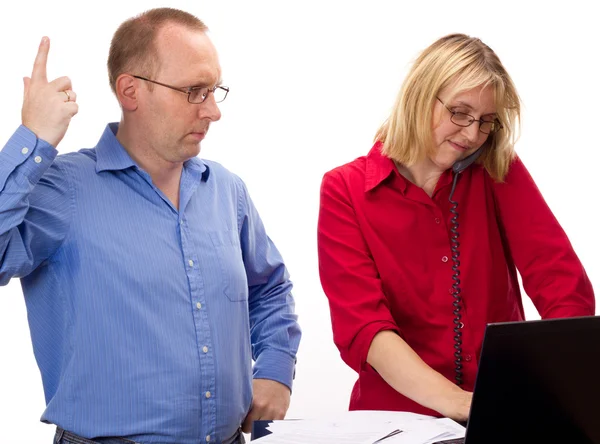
275,365
32,156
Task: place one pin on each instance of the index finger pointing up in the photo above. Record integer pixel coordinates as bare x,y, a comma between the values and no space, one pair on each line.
39,66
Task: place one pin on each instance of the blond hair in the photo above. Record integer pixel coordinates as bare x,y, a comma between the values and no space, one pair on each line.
462,63
132,48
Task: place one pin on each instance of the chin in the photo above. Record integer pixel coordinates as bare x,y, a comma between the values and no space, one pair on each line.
445,164
191,151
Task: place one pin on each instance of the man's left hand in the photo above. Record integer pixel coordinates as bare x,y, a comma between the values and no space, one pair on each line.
270,401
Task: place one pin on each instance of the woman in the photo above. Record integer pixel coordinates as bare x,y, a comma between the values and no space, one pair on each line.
407,315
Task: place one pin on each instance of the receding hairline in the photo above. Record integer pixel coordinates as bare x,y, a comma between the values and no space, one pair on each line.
134,43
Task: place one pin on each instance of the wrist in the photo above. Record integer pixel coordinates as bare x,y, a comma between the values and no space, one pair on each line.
457,404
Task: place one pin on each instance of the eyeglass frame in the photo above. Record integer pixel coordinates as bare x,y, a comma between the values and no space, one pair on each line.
473,119
189,89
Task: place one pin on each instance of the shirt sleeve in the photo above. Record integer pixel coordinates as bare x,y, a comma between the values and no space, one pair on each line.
552,274
275,333
34,204
359,308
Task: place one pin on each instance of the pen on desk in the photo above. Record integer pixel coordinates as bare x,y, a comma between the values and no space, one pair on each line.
389,435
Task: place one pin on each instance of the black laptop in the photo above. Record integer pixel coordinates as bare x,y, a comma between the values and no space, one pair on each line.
538,382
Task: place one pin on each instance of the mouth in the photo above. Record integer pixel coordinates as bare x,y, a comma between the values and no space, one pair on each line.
198,135
458,146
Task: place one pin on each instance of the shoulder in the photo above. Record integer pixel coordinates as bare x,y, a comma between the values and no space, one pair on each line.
517,176
83,159
344,178
223,176
350,170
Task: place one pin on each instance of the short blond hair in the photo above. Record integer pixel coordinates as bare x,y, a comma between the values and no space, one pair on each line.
132,48
463,63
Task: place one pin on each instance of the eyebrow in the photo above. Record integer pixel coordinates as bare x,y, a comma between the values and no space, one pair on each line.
206,85
466,105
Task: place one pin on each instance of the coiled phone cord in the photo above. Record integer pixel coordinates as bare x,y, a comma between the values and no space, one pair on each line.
457,302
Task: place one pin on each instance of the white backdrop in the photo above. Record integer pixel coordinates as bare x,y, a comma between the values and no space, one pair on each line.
310,83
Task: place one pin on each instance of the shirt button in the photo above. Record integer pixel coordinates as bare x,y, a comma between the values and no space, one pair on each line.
37,159
205,349
468,358
191,263
207,438
198,305
208,395
444,258
437,220
25,150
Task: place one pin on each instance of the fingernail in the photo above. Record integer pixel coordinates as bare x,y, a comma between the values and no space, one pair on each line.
44,39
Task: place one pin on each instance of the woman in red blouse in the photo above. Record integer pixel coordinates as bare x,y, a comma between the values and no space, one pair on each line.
385,237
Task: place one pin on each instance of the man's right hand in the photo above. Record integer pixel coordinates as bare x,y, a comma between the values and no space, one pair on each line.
47,106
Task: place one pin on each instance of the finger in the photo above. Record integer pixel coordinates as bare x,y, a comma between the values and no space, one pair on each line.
247,426
72,108
39,66
26,81
68,95
250,418
62,83
73,95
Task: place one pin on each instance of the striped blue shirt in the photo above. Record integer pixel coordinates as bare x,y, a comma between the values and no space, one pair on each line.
144,319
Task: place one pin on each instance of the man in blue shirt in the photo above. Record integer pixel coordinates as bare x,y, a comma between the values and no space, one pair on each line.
149,280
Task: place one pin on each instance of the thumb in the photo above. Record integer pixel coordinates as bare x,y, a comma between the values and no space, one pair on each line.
26,81
247,425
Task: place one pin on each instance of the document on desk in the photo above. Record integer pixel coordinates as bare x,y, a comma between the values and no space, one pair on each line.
364,427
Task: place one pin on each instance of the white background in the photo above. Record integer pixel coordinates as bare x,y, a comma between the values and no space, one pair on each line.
310,83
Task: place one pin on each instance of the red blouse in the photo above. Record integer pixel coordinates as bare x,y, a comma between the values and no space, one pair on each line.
385,264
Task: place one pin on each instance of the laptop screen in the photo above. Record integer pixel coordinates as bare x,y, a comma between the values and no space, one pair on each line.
538,381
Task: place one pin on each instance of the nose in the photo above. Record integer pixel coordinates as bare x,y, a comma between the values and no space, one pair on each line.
209,109
472,133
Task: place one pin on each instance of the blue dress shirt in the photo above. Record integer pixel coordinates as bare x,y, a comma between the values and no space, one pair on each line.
144,318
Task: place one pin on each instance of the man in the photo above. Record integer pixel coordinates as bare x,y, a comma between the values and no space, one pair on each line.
149,280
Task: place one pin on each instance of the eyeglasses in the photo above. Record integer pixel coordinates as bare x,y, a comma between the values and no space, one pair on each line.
464,120
196,94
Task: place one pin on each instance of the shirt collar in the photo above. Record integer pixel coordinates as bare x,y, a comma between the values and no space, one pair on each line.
378,167
112,156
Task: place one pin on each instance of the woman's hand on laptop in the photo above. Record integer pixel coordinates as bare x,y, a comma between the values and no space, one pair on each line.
459,405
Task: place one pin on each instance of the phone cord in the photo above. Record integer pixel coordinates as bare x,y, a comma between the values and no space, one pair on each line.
457,303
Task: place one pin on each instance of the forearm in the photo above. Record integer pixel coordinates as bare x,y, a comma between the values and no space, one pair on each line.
34,203
275,332
399,366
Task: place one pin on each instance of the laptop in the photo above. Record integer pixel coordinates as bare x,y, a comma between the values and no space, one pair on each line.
537,382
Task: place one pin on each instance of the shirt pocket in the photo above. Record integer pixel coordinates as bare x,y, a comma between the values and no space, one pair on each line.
229,256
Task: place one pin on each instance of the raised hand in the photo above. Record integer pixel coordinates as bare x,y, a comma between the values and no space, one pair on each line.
47,106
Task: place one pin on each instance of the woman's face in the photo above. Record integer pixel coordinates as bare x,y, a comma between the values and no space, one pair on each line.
453,142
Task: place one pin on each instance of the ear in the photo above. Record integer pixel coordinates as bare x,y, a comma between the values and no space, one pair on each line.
127,92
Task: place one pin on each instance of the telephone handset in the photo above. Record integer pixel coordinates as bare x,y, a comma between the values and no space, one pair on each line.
462,164
458,167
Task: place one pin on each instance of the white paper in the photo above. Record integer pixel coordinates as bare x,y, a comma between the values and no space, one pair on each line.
364,427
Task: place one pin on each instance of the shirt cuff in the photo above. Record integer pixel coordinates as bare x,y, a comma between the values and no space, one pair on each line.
25,151
275,365
358,351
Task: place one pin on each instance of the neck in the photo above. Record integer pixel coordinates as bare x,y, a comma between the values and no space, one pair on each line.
424,174
165,175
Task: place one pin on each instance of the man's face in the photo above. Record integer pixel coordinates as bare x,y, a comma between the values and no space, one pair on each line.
173,127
